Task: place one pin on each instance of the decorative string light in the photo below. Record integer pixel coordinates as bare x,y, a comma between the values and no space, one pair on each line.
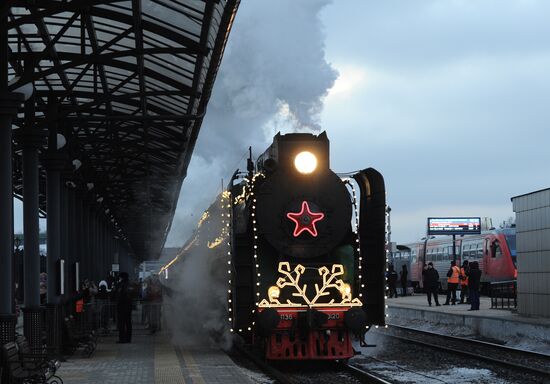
257,274
387,251
247,194
226,233
357,246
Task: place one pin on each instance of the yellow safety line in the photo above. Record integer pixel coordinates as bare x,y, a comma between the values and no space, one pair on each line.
167,364
193,368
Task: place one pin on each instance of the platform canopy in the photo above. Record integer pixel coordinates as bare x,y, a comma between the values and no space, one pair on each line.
127,83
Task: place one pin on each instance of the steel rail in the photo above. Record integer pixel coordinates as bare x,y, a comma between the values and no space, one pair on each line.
358,373
509,364
476,342
280,377
362,375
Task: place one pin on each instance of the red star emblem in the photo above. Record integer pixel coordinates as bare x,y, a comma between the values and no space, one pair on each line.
305,220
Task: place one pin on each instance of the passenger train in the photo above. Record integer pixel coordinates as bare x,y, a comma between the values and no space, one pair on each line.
494,250
303,250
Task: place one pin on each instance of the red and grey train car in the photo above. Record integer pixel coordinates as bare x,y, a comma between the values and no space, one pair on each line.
494,250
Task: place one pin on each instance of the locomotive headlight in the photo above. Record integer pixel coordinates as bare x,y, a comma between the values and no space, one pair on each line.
305,162
273,293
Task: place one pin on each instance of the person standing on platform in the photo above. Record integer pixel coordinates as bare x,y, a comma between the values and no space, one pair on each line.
404,279
452,283
474,284
464,272
153,296
124,310
431,283
102,306
392,281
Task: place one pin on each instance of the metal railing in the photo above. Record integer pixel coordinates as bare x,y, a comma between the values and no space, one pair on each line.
503,294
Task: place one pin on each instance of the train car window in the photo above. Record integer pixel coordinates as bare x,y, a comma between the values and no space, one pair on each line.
479,250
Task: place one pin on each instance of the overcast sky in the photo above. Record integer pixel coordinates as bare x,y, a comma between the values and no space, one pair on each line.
449,100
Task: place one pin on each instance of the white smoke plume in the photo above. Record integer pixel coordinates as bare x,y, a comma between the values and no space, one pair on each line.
196,312
273,77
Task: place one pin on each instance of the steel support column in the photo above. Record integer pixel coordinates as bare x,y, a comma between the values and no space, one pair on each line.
123,260
79,249
54,164
64,232
31,140
9,104
96,257
86,243
71,244
31,143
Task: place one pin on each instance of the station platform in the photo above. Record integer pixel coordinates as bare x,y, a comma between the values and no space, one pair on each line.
504,326
151,359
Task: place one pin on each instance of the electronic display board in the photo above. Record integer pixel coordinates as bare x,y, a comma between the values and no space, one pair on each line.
454,225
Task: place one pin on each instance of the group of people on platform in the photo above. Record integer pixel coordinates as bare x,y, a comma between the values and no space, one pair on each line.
118,302
468,277
392,277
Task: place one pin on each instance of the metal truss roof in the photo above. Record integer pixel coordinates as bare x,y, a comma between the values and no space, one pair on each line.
132,79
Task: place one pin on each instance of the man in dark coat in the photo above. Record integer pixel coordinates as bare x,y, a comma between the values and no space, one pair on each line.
404,279
431,281
392,281
124,310
474,282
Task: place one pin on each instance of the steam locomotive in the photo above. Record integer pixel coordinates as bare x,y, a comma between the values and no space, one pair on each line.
305,251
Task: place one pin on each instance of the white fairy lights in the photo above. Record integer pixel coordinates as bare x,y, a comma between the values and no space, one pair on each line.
356,232
387,251
226,233
257,274
247,194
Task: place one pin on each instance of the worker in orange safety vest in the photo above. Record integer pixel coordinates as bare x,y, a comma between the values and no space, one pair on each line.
452,283
464,272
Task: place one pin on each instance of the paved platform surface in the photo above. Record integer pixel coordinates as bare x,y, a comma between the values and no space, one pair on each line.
151,360
419,301
497,325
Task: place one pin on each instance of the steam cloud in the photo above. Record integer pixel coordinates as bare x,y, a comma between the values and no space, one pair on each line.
273,78
197,311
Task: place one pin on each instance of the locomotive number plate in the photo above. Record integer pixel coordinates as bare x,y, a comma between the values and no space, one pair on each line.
334,316
287,317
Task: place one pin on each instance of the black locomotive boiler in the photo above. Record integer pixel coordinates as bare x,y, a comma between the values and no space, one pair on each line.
305,251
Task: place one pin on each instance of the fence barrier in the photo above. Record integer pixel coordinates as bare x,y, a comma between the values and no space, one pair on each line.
503,294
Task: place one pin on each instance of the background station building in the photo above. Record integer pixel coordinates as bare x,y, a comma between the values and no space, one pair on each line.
533,247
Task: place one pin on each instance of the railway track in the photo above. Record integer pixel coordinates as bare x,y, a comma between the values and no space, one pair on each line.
521,360
311,372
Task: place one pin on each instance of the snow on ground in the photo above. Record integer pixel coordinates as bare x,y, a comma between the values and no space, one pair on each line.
454,375
256,377
530,342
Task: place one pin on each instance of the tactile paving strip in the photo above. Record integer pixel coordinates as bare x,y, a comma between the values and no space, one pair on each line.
167,365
